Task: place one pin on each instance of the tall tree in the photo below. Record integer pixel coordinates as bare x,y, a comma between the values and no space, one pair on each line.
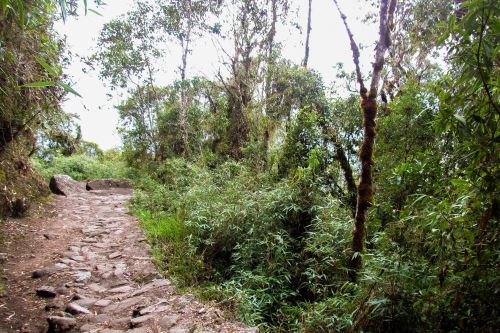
369,108
308,35
129,49
248,32
185,20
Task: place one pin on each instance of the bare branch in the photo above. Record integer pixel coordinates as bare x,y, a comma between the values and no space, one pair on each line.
386,19
355,52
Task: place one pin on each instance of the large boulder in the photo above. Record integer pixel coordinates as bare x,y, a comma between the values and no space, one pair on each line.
105,184
65,185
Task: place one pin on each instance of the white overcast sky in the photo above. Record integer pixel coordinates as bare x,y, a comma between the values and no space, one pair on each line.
98,118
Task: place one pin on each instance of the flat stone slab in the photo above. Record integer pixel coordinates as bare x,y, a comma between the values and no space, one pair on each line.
105,184
75,309
46,292
65,185
103,303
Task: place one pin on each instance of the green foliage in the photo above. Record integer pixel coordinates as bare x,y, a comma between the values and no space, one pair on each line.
21,108
32,87
173,254
247,233
83,167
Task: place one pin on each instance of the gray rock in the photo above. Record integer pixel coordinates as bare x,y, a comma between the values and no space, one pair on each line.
77,258
60,324
152,285
159,307
88,328
44,272
182,330
46,291
122,289
114,255
50,236
87,301
168,321
62,290
103,303
81,276
65,185
61,266
75,308
104,184
97,288
249,330
57,304
121,322
124,305
100,318
137,321
140,330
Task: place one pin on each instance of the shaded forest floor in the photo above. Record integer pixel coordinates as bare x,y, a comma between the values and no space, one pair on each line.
83,265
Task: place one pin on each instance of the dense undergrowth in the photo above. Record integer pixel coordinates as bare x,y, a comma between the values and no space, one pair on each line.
267,228
81,166
276,250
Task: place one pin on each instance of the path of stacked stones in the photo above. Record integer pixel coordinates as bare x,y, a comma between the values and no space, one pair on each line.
100,277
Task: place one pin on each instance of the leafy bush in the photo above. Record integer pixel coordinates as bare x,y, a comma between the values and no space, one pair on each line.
82,167
265,245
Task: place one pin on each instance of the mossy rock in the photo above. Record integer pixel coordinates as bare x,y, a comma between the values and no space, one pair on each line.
20,184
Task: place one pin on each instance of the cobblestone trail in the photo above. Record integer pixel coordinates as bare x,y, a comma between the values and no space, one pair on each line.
92,272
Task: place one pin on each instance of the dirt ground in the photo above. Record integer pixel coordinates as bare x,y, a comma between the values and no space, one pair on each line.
81,264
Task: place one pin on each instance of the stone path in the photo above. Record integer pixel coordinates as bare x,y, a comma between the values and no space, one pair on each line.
99,277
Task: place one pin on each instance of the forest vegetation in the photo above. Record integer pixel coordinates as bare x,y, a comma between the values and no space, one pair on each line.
369,206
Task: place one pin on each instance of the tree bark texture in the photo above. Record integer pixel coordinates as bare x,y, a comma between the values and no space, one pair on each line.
369,108
348,175
308,35
185,44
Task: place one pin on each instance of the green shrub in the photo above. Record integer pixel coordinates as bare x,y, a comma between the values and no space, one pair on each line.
167,234
266,245
277,251
83,167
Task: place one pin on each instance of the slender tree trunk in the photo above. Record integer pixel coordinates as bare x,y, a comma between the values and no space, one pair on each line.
369,107
270,59
308,35
348,175
185,43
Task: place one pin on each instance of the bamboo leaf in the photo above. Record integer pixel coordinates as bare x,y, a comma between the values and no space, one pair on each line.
85,5
64,13
95,12
42,84
460,119
52,72
4,7
21,13
68,88
39,84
